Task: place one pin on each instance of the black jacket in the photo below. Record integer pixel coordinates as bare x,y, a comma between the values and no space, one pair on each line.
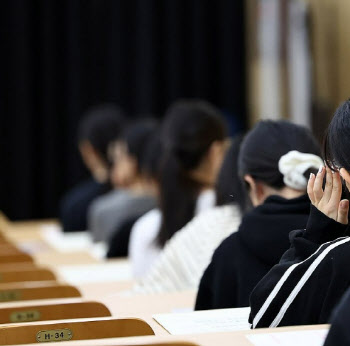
310,279
339,334
75,203
248,254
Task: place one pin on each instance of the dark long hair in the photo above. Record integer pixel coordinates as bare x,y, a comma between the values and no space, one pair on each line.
229,187
189,129
336,146
266,143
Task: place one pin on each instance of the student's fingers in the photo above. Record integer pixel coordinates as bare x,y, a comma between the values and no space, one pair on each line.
310,188
336,191
329,186
343,212
318,191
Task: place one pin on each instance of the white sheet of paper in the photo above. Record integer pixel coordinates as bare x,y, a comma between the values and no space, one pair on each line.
211,321
104,272
66,242
300,338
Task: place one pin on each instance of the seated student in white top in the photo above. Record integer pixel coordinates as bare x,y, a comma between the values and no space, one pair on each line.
181,264
193,139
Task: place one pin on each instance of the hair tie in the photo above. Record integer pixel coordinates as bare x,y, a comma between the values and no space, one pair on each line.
293,166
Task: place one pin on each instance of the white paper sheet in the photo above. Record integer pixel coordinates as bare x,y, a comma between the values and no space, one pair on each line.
65,242
212,321
76,241
104,272
300,338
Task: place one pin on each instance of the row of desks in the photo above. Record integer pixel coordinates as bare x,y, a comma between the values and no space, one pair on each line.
112,295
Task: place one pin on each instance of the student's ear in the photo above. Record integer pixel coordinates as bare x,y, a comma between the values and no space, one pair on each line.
256,190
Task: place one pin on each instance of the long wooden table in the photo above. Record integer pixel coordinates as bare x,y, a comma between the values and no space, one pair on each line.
213,339
120,304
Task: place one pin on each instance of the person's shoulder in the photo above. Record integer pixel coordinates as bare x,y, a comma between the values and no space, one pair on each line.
105,200
219,214
340,249
227,247
149,219
145,229
82,194
151,215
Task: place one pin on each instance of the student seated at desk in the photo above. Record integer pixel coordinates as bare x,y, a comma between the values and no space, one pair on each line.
135,194
99,127
313,274
193,138
181,264
274,159
119,242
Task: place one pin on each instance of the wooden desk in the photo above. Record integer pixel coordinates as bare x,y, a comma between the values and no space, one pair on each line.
121,306
145,306
213,339
128,305
49,312
36,290
104,290
18,334
54,259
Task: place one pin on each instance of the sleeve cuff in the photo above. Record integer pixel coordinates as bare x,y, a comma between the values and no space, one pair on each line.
321,229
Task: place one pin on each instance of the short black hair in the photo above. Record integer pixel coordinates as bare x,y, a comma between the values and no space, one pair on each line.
100,126
266,143
136,137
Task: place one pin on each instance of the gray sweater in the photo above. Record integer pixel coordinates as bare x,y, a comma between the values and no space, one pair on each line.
110,211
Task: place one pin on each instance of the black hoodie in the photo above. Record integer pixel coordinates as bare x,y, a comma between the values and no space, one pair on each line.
339,334
310,279
247,255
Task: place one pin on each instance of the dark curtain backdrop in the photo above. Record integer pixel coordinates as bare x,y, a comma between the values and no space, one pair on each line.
59,57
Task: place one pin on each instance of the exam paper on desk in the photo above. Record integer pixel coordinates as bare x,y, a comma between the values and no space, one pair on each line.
211,321
101,272
300,338
67,242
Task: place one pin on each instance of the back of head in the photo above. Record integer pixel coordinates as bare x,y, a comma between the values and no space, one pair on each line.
136,137
100,126
189,129
266,143
229,186
337,141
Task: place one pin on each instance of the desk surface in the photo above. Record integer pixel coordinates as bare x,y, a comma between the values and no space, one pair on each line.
213,339
122,306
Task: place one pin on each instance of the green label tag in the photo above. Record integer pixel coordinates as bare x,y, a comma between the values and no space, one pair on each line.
25,316
54,335
6,296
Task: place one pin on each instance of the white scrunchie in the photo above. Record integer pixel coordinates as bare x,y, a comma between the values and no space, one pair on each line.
294,164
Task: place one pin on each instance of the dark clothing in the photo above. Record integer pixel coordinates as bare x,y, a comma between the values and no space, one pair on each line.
119,243
247,255
74,205
339,333
310,279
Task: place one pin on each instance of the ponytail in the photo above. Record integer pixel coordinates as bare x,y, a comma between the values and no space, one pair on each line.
188,131
178,196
